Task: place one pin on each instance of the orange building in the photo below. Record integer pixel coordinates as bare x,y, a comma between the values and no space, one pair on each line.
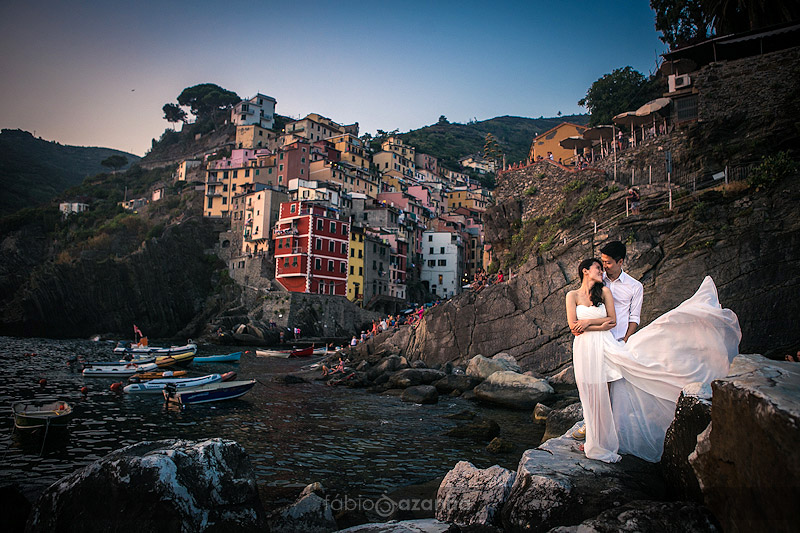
548,142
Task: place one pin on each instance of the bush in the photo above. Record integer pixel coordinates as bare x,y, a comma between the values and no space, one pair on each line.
530,191
772,168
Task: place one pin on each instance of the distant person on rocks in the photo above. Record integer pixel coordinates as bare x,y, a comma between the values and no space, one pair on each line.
354,341
633,200
500,276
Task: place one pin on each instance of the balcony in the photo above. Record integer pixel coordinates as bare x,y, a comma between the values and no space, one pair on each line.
284,232
213,193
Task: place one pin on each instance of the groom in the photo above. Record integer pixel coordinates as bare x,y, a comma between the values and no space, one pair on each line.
627,292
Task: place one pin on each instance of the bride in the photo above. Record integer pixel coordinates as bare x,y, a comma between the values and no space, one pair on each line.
628,391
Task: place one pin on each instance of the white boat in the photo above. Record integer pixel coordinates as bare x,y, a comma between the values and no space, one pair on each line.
155,386
281,354
142,351
118,370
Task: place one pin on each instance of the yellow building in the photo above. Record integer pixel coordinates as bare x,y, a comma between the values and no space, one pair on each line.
396,155
350,178
226,177
548,142
464,197
355,276
352,149
254,136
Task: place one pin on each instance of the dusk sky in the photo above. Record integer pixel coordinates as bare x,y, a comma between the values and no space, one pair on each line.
96,73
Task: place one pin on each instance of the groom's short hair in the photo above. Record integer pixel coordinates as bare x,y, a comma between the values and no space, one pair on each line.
615,250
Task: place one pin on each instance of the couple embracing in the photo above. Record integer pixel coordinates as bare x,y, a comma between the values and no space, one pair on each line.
629,380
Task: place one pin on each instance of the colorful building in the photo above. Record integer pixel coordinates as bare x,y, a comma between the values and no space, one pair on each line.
355,278
225,178
254,136
443,262
548,142
259,109
311,248
255,211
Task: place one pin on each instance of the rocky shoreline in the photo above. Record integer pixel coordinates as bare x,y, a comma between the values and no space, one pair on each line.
718,472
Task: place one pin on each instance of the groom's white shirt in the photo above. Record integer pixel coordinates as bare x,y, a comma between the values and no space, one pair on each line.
628,294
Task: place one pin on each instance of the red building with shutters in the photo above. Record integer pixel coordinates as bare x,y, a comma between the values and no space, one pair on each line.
311,248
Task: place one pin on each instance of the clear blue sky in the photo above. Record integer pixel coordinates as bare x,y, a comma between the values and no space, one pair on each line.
96,73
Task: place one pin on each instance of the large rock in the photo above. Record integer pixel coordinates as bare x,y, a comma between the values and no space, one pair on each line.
510,389
482,367
560,420
558,485
479,430
170,485
422,394
634,517
692,416
411,377
746,461
389,364
459,382
565,377
311,513
470,495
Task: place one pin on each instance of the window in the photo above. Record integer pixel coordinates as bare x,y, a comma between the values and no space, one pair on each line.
210,202
431,263
319,244
352,268
317,264
360,271
330,265
320,224
344,267
344,249
293,208
333,227
374,265
280,244
442,262
224,187
352,252
224,200
430,238
360,254
247,173
431,252
280,167
331,246
441,250
344,229
294,261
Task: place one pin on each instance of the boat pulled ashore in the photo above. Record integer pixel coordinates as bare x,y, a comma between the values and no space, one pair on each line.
213,392
226,358
34,414
138,350
114,370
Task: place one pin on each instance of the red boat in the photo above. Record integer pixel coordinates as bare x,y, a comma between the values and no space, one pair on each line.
303,352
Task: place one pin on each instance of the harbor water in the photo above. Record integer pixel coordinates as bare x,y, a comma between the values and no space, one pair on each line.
354,442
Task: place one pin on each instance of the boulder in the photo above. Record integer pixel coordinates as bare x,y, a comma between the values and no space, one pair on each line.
410,377
557,485
428,525
462,415
498,445
507,360
746,461
473,496
388,365
168,485
311,513
540,412
482,367
452,382
423,394
565,377
692,416
419,363
482,430
560,420
641,515
510,389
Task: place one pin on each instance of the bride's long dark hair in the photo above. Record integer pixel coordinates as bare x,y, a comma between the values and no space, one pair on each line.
596,292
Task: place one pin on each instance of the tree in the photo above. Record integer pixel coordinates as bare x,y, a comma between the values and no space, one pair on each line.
682,21
443,120
174,113
624,89
207,99
492,150
115,162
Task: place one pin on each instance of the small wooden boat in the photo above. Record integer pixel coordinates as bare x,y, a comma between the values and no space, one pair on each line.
155,386
122,362
182,359
302,352
158,374
33,414
281,354
118,370
126,348
226,358
213,392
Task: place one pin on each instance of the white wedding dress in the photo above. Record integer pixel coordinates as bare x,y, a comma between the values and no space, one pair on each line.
628,391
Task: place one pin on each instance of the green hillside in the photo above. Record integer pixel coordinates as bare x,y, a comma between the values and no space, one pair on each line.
451,141
33,171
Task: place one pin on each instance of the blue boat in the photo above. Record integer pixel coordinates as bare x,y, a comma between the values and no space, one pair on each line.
225,358
213,392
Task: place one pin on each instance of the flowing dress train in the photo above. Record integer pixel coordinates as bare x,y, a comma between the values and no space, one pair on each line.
628,391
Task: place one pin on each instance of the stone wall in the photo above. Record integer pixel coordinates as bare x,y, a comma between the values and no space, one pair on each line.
317,315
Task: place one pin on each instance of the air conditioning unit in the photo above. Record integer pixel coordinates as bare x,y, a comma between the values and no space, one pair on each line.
682,81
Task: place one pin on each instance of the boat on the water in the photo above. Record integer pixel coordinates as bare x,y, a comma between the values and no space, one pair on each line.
118,370
158,374
155,386
225,358
137,350
213,392
281,354
33,414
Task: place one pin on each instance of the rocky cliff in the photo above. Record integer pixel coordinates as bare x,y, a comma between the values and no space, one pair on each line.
749,242
164,287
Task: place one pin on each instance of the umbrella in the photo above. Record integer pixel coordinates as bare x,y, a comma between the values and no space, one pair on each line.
653,106
630,118
599,133
575,142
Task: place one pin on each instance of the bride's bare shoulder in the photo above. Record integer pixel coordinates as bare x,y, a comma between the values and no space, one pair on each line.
571,295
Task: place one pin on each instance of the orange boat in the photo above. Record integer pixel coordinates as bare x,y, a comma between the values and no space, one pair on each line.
144,376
